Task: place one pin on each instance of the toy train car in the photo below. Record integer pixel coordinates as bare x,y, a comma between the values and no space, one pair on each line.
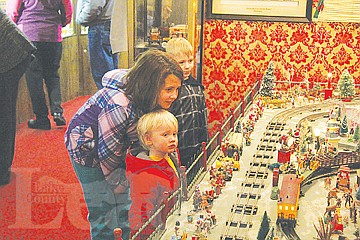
235,144
288,201
275,103
222,163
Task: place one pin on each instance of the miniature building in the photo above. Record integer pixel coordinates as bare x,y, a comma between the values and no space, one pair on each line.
289,197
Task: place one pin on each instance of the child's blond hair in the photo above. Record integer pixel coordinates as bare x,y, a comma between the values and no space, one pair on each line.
152,120
177,46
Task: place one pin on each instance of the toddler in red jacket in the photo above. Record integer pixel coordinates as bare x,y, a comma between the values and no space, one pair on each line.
153,169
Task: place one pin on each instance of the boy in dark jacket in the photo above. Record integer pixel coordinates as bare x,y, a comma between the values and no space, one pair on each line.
190,107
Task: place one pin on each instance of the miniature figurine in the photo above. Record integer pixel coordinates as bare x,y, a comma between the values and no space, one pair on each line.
177,228
236,156
338,202
210,196
197,198
204,202
212,172
297,133
224,144
327,183
332,194
348,199
206,226
337,221
199,224
247,139
343,178
212,216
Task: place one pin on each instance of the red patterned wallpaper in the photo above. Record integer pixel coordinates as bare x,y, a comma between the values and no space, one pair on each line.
236,53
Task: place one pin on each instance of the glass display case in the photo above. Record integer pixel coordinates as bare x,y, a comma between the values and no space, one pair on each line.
157,21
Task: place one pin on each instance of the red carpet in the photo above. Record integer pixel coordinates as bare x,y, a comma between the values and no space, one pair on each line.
44,199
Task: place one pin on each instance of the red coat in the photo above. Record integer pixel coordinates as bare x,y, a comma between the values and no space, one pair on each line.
148,181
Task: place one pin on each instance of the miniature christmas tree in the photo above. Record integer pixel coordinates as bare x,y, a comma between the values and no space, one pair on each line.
268,80
356,133
344,127
264,227
346,85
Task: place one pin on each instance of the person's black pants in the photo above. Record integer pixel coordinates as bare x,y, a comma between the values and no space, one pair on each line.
9,82
45,67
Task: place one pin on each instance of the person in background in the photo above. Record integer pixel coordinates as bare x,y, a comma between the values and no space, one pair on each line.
152,169
15,57
42,21
96,14
102,130
190,108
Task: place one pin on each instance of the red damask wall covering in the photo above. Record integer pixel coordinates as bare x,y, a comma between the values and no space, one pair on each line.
237,53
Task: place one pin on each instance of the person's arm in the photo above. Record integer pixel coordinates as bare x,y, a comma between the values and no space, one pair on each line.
113,121
88,10
12,9
66,11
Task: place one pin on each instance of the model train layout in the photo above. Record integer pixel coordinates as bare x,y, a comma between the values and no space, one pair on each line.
290,181
261,180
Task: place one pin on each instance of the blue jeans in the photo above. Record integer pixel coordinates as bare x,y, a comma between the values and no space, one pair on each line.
107,210
45,67
102,58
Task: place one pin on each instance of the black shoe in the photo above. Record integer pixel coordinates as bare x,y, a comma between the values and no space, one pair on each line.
59,119
43,123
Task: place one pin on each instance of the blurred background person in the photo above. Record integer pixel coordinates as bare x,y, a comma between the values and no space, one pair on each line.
41,21
96,14
15,57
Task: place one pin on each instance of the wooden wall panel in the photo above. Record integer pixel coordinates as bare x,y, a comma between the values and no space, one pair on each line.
70,70
88,84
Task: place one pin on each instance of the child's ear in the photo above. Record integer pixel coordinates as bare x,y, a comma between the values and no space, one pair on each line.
147,138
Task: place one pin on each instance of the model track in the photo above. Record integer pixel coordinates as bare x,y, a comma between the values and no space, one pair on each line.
288,230
240,220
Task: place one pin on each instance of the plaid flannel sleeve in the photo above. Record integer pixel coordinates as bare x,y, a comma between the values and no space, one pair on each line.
112,147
